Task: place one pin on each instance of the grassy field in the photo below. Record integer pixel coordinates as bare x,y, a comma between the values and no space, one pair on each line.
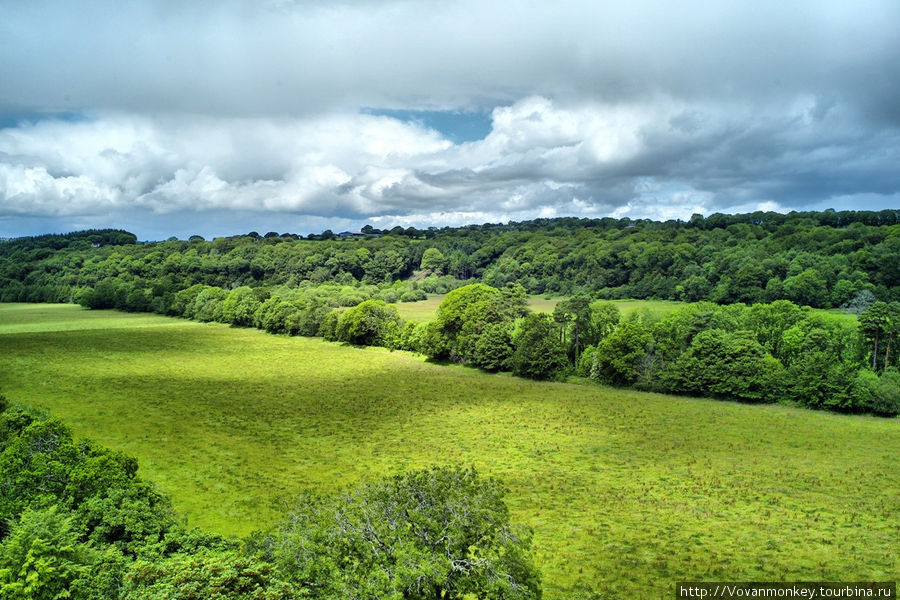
425,310
627,492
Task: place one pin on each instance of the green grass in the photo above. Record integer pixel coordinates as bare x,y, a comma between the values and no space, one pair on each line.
426,310
627,492
422,311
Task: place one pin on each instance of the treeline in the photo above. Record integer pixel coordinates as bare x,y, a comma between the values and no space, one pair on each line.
147,276
76,521
776,352
820,259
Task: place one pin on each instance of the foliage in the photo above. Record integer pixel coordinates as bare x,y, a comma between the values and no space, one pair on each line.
618,485
746,258
574,317
494,348
885,399
433,260
41,558
460,319
240,306
618,356
206,575
413,296
412,336
605,316
465,314
436,533
371,323
880,325
585,362
538,354
729,365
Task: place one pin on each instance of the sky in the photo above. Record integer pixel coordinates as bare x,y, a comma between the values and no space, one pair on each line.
219,118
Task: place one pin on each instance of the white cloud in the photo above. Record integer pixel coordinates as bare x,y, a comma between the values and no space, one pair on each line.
640,109
660,158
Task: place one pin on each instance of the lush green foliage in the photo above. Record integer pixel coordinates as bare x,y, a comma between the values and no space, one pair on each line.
83,526
436,533
283,284
207,575
619,356
626,491
370,323
823,259
538,354
42,559
728,365
77,514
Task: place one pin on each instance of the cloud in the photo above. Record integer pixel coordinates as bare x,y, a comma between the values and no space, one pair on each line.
177,114
658,159
298,58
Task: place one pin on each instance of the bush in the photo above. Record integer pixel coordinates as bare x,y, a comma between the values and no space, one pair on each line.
42,558
413,296
412,336
886,400
585,361
328,328
208,575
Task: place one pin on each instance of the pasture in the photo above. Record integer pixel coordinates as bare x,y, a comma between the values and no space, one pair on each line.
627,492
426,310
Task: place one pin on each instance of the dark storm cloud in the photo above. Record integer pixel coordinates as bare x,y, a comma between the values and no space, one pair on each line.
333,112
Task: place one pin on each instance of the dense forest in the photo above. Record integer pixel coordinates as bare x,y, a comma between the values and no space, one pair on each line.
820,259
750,334
76,521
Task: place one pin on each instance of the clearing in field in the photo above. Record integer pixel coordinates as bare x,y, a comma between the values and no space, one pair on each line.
627,492
426,310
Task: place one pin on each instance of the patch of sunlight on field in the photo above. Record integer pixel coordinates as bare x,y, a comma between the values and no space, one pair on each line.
627,492
426,310
21,318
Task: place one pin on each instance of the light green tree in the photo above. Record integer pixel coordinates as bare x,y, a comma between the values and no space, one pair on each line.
436,533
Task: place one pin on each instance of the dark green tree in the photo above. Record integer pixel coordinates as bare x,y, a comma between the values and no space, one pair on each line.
618,357
574,317
433,260
727,365
539,353
460,319
494,348
605,317
240,306
880,325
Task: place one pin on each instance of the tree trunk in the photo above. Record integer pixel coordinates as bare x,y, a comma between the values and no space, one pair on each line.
875,354
887,352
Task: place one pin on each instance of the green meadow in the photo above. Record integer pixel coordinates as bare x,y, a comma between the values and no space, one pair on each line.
627,492
426,310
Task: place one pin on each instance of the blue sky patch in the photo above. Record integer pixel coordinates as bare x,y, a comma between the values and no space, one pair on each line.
18,118
456,126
